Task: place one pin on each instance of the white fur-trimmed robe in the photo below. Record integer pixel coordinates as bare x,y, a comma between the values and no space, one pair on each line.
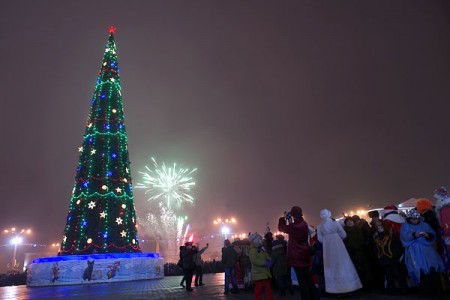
340,273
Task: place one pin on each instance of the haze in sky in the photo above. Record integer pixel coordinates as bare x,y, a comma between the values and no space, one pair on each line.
338,105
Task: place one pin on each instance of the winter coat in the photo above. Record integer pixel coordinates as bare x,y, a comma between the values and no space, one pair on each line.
229,256
387,248
298,252
278,257
419,252
258,258
198,256
340,273
187,256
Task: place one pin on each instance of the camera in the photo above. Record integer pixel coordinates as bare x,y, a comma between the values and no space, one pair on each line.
288,216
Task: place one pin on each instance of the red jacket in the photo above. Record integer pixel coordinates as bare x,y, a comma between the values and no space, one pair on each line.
298,250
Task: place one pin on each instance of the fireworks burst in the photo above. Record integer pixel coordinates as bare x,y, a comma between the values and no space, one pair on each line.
171,184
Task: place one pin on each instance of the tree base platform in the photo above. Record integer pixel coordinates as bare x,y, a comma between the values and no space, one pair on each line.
94,268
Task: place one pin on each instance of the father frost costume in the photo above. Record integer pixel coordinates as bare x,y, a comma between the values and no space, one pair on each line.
340,273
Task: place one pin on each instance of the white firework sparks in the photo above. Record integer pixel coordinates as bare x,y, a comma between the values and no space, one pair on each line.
171,184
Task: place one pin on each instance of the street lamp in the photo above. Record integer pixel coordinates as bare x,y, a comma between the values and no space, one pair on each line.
225,224
225,231
16,240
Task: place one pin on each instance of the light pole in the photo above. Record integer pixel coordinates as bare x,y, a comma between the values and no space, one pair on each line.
16,240
225,231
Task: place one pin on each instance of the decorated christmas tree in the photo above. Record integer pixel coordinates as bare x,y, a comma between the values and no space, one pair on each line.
101,217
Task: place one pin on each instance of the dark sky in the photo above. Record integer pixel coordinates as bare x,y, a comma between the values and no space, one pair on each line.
321,104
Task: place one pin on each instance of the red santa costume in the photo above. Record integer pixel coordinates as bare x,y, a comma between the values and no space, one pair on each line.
392,219
442,209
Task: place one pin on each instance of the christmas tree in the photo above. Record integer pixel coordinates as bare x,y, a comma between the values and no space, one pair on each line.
101,216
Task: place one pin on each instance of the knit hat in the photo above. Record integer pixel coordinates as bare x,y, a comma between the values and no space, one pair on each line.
423,204
441,193
255,238
296,211
325,213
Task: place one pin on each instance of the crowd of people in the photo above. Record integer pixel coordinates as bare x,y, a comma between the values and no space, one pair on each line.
395,251
13,279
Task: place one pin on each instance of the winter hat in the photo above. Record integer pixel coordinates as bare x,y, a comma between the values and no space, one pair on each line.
296,211
276,244
188,244
268,236
348,219
356,218
374,214
413,214
325,213
227,243
441,193
280,237
423,204
389,209
390,212
255,238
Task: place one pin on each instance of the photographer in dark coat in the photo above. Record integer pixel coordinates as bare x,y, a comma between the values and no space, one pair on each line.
298,251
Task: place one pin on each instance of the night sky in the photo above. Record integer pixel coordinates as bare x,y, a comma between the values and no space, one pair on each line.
321,104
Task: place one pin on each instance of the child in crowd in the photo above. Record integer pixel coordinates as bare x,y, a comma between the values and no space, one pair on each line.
279,266
260,267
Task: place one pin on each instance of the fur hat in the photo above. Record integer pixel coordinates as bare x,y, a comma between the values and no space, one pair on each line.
374,214
296,211
255,238
325,214
423,204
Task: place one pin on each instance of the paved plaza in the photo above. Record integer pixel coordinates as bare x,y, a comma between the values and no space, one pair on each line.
167,288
